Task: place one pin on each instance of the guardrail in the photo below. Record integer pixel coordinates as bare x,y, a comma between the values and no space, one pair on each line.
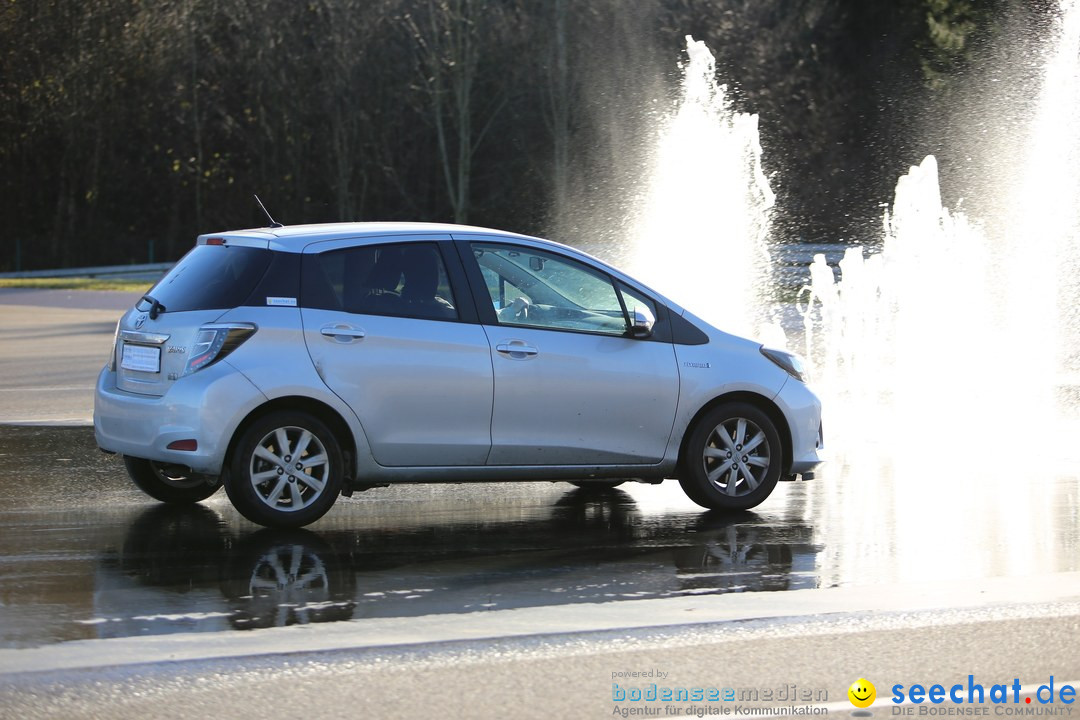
790,261
114,271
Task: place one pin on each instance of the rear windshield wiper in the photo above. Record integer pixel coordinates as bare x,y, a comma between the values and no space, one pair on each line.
156,308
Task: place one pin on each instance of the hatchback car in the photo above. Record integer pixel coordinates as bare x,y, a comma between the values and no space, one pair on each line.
296,364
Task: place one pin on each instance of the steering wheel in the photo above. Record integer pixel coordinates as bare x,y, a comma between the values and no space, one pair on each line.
518,310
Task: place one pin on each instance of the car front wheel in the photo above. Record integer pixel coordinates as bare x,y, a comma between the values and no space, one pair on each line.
171,484
733,458
286,470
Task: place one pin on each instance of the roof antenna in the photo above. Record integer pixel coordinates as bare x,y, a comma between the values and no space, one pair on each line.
273,223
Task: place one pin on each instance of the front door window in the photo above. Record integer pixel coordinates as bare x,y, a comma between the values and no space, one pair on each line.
532,288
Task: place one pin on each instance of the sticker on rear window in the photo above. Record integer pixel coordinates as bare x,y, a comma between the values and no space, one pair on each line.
281,301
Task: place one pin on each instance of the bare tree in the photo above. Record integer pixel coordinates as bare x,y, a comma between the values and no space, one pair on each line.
349,52
558,105
449,37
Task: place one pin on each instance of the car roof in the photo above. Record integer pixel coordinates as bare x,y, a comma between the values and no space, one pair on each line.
294,238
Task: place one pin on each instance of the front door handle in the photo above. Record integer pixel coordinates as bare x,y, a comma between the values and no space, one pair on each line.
516,349
342,333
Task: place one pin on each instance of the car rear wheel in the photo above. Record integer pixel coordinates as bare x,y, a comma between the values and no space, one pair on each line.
733,458
168,483
286,470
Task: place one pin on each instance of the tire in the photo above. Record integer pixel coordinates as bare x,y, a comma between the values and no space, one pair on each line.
270,486
596,484
733,458
170,483
175,547
275,578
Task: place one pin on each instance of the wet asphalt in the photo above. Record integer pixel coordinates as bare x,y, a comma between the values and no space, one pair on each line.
83,554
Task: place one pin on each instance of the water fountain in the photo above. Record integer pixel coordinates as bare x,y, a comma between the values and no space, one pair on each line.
701,232
941,358
959,314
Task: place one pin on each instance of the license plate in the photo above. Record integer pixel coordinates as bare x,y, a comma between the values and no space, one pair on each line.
141,358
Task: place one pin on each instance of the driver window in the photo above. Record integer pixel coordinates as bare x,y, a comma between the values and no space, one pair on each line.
539,289
502,293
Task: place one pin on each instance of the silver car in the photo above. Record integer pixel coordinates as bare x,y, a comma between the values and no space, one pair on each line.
296,364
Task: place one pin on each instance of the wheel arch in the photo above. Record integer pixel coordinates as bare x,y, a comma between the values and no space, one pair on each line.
328,415
762,403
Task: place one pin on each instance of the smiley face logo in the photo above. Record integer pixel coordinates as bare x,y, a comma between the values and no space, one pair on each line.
862,693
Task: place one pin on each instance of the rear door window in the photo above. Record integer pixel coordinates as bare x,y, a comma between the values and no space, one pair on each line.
401,280
211,277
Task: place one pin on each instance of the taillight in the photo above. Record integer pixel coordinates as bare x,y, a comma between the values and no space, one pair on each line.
115,338
216,341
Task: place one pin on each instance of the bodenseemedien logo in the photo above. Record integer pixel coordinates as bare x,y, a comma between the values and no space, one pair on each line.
663,700
789,693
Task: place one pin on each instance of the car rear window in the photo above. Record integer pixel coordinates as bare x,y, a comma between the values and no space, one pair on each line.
211,277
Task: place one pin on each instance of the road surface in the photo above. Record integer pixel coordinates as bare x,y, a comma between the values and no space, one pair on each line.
55,343
508,600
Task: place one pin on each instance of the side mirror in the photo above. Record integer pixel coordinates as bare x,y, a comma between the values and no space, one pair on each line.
642,322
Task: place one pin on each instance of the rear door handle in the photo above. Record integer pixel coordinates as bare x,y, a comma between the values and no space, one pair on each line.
342,333
516,349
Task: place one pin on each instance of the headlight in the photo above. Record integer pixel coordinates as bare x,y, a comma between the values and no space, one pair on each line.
214,342
789,363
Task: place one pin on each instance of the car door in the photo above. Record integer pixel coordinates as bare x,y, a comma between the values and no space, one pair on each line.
573,386
386,331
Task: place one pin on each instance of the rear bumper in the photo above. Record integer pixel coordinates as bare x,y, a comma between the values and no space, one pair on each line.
207,407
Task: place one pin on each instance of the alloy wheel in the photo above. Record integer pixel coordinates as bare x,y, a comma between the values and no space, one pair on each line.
736,457
289,469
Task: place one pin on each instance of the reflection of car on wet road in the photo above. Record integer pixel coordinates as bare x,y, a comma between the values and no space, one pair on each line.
296,364
183,568
268,578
